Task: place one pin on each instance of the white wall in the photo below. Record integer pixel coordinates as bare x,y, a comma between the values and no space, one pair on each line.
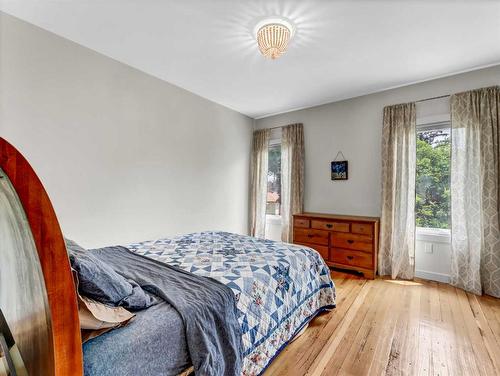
124,156
433,254
354,126
273,227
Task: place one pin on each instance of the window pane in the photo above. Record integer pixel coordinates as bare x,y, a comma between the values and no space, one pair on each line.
274,181
432,207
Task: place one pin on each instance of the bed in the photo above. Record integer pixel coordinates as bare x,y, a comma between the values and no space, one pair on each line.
277,288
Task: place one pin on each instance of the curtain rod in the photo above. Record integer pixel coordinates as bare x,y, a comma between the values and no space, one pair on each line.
281,126
430,99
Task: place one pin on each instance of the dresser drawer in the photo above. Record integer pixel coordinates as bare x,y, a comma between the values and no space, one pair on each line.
332,226
322,249
352,241
351,258
302,235
301,222
362,228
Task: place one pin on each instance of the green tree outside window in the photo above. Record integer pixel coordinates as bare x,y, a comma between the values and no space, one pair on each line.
432,205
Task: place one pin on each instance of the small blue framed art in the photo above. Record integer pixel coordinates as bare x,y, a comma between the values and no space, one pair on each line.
339,170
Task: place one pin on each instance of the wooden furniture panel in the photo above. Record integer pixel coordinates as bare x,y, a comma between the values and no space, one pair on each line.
352,258
351,236
311,236
344,241
361,228
330,226
299,222
352,241
322,249
66,339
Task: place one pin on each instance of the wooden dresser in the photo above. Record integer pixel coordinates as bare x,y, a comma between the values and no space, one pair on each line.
344,241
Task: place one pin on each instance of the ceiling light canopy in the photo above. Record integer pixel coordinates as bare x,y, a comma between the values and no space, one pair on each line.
273,36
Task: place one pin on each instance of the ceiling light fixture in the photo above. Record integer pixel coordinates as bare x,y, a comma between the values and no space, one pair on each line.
273,36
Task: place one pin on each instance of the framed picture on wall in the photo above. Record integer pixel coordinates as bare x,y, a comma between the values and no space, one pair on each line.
339,170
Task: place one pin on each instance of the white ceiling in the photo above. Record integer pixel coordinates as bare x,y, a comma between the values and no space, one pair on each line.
341,49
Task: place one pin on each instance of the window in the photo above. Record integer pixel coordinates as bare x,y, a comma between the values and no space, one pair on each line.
274,180
432,206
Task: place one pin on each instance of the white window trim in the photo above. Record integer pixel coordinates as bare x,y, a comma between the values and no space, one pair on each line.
433,235
275,138
427,121
273,219
273,142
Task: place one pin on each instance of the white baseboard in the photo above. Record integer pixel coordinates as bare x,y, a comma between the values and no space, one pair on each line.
445,278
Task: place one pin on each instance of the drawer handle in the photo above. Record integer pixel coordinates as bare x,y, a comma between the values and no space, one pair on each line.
350,241
329,225
350,257
310,235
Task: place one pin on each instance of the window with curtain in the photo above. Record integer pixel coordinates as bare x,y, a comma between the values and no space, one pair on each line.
454,180
285,180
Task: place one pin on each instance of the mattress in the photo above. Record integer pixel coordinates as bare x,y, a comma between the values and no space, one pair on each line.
279,287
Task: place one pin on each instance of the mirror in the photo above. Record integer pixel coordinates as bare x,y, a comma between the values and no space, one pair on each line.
23,296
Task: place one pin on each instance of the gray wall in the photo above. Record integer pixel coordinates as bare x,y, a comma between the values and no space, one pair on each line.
124,156
354,126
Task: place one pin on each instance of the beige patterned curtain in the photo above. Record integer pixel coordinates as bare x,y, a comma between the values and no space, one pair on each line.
292,177
475,200
397,232
258,182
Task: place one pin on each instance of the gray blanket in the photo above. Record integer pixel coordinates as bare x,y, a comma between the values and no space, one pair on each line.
207,308
152,344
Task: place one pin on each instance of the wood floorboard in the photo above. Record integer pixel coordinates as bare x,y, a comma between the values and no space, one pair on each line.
362,352
294,362
386,327
352,333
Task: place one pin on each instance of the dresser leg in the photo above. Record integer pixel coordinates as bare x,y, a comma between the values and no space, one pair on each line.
369,275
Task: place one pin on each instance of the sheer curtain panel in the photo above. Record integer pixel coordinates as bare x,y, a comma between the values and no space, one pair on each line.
292,177
397,232
475,258
258,182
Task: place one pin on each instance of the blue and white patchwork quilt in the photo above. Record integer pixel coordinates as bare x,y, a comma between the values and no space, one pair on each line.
279,287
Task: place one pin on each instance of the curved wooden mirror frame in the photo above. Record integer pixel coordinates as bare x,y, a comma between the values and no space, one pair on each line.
49,241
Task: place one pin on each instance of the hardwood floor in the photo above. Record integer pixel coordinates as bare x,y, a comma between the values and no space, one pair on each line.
386,327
